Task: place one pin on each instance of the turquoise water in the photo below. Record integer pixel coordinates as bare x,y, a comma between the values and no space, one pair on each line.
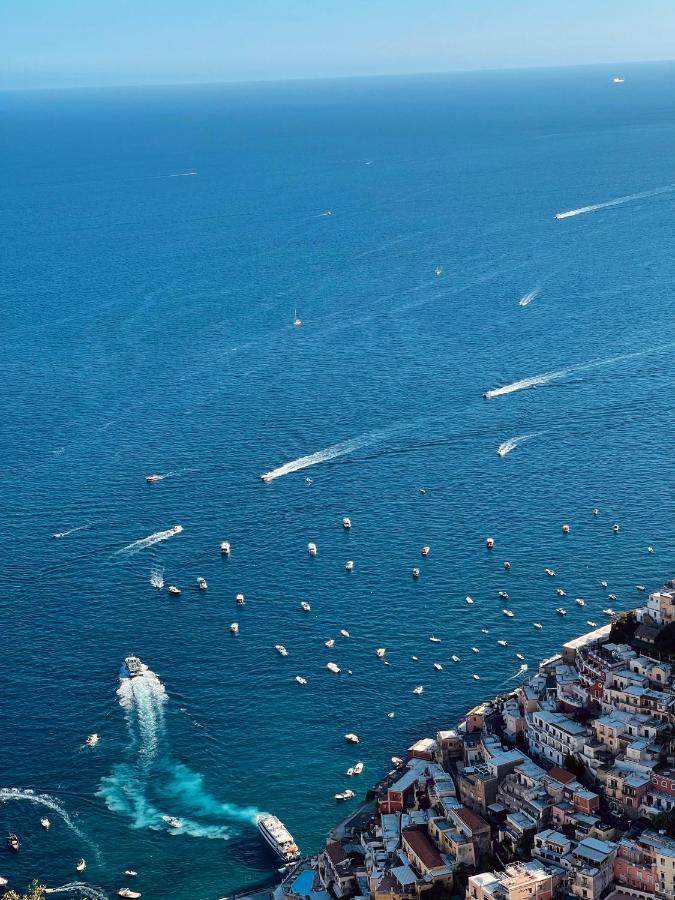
147,327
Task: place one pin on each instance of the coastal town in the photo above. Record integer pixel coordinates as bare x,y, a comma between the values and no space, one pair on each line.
564,787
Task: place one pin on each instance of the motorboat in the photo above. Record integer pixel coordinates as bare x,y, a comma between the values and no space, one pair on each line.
508,613
596,511
225,548
305,605
81,865
128,893
489,543
640,587
503,595
390,715
300,679
414,658
202,584
418,690
485,631
560,592
172,822
45,822
240,600
475,649
344,633
550,572
425,551
566,529
349,565
437,271
151,479
132,667
346,523
580,601
350,771
456,658
561,611
396,761
130,873
609,611
352,738
415,572
380,652
92,740
3,881
650,549
503,643
592,624
175,591
333,667
519,656
358,768
476,677
507,565
434,639
297,322
330,643
469,600
345,795
603,584
618,79
438,667
611,597
13,843
538,625
615,527
311,549
281,650
234,628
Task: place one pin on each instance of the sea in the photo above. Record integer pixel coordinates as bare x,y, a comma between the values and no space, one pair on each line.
157,245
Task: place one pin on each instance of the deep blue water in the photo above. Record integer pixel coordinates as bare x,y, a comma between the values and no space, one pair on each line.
146,327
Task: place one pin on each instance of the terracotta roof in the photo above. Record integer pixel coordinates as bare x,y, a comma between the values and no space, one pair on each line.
422,848
561,775
336,852
470,819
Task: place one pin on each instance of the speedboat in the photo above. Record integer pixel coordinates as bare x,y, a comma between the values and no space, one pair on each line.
618,79
396,761
300,679
603,584
550,572
13,843
508,613
476,677
202,583
349,565
305,605
418,690
45,822
503,595
297,322
350,771
130,873
560,592
415,572
225,548
92,740
640,587
507,565
580,601
609,611
151,479
345,795
281,650
344,632
438,667
347,523
333,667
485,631
391,715
486,395
456,658
175,591
128,893
592,624
358,768
437,271
538,625
57,534
330,643
132,667
311,548
434,639
240,600
279,838
172,822
503,643
615,527
475,649
414,658
611,597
234,628
81,866
380,652
489,543
469,600
650,549
519,656
425,551
566,529
596,511
351,738
561,611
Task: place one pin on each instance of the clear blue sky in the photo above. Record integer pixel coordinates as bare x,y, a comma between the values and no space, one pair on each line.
98,42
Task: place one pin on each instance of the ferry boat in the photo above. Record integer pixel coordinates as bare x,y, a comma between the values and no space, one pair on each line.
131,668
278,837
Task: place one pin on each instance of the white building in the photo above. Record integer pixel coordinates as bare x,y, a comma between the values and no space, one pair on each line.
554,736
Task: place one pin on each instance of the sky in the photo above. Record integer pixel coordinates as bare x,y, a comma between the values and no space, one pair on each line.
66,43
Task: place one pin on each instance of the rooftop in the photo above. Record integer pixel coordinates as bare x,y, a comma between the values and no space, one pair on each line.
423,848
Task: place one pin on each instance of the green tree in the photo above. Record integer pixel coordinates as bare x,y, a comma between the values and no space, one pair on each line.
36,891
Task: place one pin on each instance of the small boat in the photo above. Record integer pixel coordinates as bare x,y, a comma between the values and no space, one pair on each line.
485,631
396,761
618,79
596,511
508,613
507,565
592,624
92,740
609,611
476,677
603,584
349,565
615,527
438,667
344,632
391,715
13,843
415,572
128,893
345,795
358,768
519,656
300,679
45,822
469,600
425,551
503,643
438,271
333,667
297,322
503,595
3,881
151,479
611,597
418,690
225,548
640,587
240,600
380,652
434,639
414,658
560,592
550,572
351,738
489,543
580,601
234,628
132,668
281,650
130,873
172,822
650,549
330,643
81,866
566,529
538,625
172,589
346,523
350,771
561,611
202,583
455,658
311,549
305,605
475,649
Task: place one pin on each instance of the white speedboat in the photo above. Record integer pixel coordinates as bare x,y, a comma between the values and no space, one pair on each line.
595,511
132,667
550,572
592,624
475,649
225,548
426,550
202,583
234,628
650,549
333,667
538,625
92,740
345,795
81,865
612,597
281,650
616,527
566,529
349,565
519,656
503,643
396,761
580,601
414,658
561,611
604,584
45,822
418,690
240,599
347,523
609,611
456,658
380,652
351,738
344,632
358,768
434,639
485,631
507,565
560,592
469,600
330,643
508,613
130,873
489,543
279,838
438,667
640,587
300,679
175,591
618,79
128,893
503,595
438,271
305,605
391,715
172,822
151,479
350,771
311,548
476,677
415,572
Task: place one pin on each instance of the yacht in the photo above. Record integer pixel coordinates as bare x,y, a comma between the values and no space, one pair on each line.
234,628
132,667
278,837
281,650
240,600
311,548
358,768
45,822
13,843
92,740
175,591
129,894
202,584
580,601
300,679
225,548
81,866
172,822
352,738
333,667
345,795
426,550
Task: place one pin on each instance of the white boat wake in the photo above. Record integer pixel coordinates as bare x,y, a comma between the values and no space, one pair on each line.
526,299
643,195
507,446
62,534
313,459
88,891
150,785
49,802
547,377
148,541
157,577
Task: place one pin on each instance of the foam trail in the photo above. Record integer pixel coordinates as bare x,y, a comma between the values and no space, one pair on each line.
313,459
618,202
538,380
46,800
62,534
143,700
88,891
526,299
157,577
151,539
178,175
507,446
